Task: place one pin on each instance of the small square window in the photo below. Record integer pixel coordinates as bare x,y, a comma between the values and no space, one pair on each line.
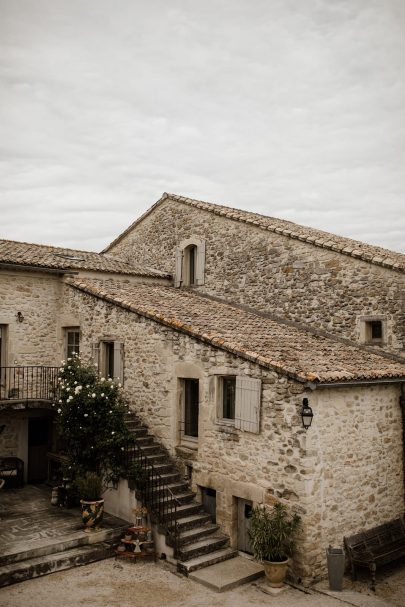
374,331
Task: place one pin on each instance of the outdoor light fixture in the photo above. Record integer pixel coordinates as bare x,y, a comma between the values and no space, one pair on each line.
20,316
306,414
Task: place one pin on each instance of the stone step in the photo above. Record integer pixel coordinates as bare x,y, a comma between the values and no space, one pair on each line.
170,477
151,449
142,441
206,560
229,574
186,510
138,431
43,565
184,498
206,545
155,459
192,521
163,468
44,547
197,533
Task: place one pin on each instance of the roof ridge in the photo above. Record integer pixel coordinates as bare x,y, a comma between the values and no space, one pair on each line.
344,245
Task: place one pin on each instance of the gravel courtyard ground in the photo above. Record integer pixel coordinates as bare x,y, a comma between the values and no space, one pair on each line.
113,583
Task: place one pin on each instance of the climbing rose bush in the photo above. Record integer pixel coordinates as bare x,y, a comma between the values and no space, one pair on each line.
91,420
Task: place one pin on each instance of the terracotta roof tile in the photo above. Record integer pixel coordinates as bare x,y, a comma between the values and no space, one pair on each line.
60,258
319,238
285,348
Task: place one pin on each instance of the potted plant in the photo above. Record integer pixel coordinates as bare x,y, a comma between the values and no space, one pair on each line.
90,488
272,532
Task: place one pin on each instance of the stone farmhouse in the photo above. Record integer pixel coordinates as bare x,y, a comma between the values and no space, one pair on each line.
219,323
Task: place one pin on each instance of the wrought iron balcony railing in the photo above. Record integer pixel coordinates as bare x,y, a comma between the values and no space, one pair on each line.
28,383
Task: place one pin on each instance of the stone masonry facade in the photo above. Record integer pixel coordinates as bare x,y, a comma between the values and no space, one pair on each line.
346,473
274,273
339,476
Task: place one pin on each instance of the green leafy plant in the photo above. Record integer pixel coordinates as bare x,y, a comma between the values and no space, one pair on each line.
90,486
91,416
272,532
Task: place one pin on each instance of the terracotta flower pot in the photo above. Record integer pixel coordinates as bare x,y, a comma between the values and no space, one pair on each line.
275,572
92,514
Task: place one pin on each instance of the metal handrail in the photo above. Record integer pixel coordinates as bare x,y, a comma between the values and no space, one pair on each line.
24,383
155,493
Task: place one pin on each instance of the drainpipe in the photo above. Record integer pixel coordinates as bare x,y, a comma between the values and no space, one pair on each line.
402,405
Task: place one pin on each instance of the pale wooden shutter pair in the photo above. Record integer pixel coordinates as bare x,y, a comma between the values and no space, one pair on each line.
118,359
247,404
199,269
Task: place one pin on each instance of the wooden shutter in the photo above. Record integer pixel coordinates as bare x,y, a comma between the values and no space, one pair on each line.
178,272
119,361
95,354
247,404
200,264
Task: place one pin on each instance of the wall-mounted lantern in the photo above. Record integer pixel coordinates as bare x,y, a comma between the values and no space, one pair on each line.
306,414
19,316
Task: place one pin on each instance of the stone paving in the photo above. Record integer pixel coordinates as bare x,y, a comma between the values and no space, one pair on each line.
28,521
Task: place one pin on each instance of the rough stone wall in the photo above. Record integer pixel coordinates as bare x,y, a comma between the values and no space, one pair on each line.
33,341
272,272
354,465
282,461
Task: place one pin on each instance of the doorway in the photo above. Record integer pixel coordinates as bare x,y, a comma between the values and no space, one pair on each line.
38,446
209,501
244,512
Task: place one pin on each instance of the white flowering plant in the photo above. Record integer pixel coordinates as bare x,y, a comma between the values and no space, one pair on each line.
91,420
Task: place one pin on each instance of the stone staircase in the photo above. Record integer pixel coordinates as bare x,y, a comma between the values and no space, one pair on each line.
37,538
199,542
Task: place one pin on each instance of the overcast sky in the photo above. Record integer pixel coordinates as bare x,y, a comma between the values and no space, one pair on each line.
294,109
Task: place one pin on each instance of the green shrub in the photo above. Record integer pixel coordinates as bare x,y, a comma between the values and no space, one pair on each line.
91,416
272,532
90,486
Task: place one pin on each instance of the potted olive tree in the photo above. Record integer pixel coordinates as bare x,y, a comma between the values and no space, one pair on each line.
272,534
91,416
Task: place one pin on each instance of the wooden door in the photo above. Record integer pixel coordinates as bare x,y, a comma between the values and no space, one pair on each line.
244,510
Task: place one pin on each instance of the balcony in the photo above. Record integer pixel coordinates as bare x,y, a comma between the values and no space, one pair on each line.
24,384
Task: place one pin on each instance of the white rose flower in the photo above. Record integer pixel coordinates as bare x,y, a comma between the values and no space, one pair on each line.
59,410
93,395
102,379
86,415
113,432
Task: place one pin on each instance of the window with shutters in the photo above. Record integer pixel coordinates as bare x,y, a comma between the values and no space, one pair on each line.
239,401
108,355
72,341
190,263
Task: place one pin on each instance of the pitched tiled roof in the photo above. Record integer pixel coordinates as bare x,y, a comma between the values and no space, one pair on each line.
318,238
285,348
60,258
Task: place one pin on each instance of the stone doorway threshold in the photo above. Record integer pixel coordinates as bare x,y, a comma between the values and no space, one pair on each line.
228,574
37,538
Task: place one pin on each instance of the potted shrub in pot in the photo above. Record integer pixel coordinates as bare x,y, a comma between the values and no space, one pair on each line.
91,416
90,488
272,534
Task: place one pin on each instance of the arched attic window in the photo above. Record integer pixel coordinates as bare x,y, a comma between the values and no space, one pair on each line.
190,263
